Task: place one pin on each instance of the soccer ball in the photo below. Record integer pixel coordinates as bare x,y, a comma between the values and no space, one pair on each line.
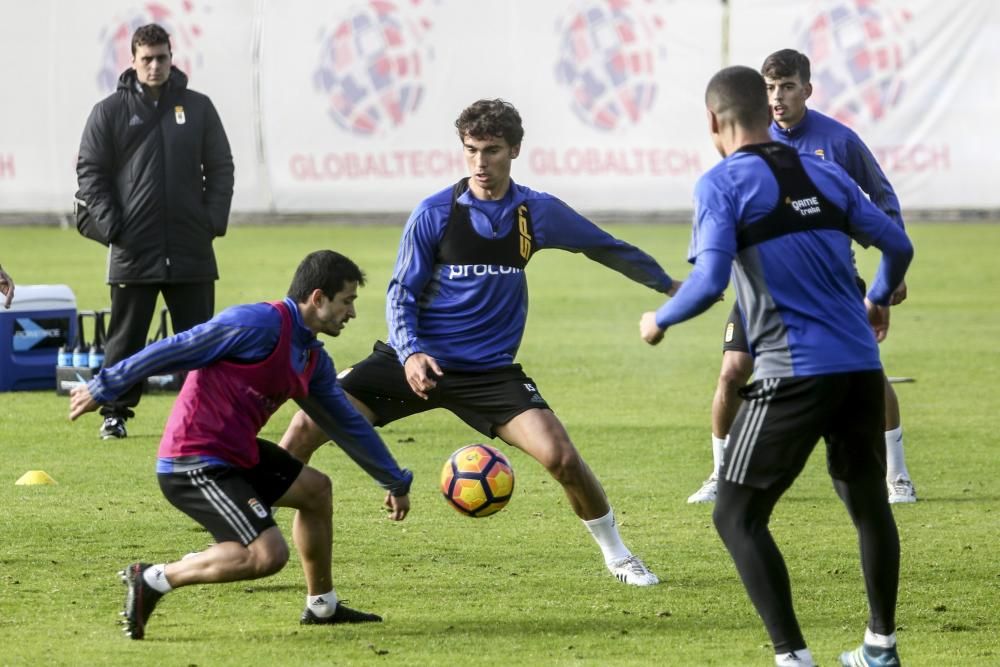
477,480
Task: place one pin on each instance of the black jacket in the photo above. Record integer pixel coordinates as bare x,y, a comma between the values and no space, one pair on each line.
162,210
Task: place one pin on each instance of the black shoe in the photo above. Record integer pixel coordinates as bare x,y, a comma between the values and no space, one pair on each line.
140,600
113,428
341,614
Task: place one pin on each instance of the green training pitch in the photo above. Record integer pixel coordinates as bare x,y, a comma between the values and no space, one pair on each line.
526,586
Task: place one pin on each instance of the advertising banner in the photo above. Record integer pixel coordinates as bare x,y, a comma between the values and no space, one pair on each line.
349,106
914,78
77,50
359,99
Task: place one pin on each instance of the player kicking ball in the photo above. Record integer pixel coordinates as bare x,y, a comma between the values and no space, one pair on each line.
457,306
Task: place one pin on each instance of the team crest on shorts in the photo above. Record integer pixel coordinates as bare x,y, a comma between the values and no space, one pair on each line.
257,508
730,327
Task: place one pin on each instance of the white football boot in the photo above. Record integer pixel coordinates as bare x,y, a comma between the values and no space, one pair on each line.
633,571
901,490
708,491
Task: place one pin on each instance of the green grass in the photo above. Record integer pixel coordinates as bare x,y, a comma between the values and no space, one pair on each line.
526,586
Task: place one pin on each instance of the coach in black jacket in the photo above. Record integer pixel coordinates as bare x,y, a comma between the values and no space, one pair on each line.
156,173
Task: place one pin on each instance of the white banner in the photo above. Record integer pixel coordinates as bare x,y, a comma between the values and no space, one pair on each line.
30,163
916,79
349,105
360,98
59,59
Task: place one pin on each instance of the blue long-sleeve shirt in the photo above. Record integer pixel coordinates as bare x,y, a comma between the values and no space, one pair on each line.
797,290
830,139
472,317
249,333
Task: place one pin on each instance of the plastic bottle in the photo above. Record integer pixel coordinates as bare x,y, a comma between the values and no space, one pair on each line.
95,359
81,353
64,356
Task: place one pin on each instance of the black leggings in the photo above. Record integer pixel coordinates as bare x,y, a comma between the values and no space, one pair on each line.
741,517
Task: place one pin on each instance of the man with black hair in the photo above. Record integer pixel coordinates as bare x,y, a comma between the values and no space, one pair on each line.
787,220
457,306
156,175
787,75
245,363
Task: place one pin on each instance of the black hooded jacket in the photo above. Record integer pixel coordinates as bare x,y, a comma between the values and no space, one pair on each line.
163,208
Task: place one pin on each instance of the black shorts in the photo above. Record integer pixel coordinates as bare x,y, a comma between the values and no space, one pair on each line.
735,337
781,420
233,504
482,399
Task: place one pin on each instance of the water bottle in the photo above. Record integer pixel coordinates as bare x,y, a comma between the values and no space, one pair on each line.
95,359
64,357
160,381
81,353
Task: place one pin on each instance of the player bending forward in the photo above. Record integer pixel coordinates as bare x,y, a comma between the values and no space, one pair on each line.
245,363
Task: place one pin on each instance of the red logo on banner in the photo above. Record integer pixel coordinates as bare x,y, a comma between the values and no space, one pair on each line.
354,165
608,56
592,161
7,170
371,67
857,50
918,158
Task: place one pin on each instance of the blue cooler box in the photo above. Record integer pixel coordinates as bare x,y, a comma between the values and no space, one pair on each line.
41,319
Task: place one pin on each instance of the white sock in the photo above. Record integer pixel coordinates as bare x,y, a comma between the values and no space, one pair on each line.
800,658
605,532
895,462
156,577
322,605
881,641
718,447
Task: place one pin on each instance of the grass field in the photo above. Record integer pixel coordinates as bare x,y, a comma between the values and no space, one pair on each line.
526,586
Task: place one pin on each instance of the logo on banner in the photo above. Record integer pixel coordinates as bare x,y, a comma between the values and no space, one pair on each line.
178,18
372,63
609,51
858,49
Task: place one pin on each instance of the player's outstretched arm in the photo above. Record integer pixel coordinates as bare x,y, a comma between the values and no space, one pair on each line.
329,407
702,288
